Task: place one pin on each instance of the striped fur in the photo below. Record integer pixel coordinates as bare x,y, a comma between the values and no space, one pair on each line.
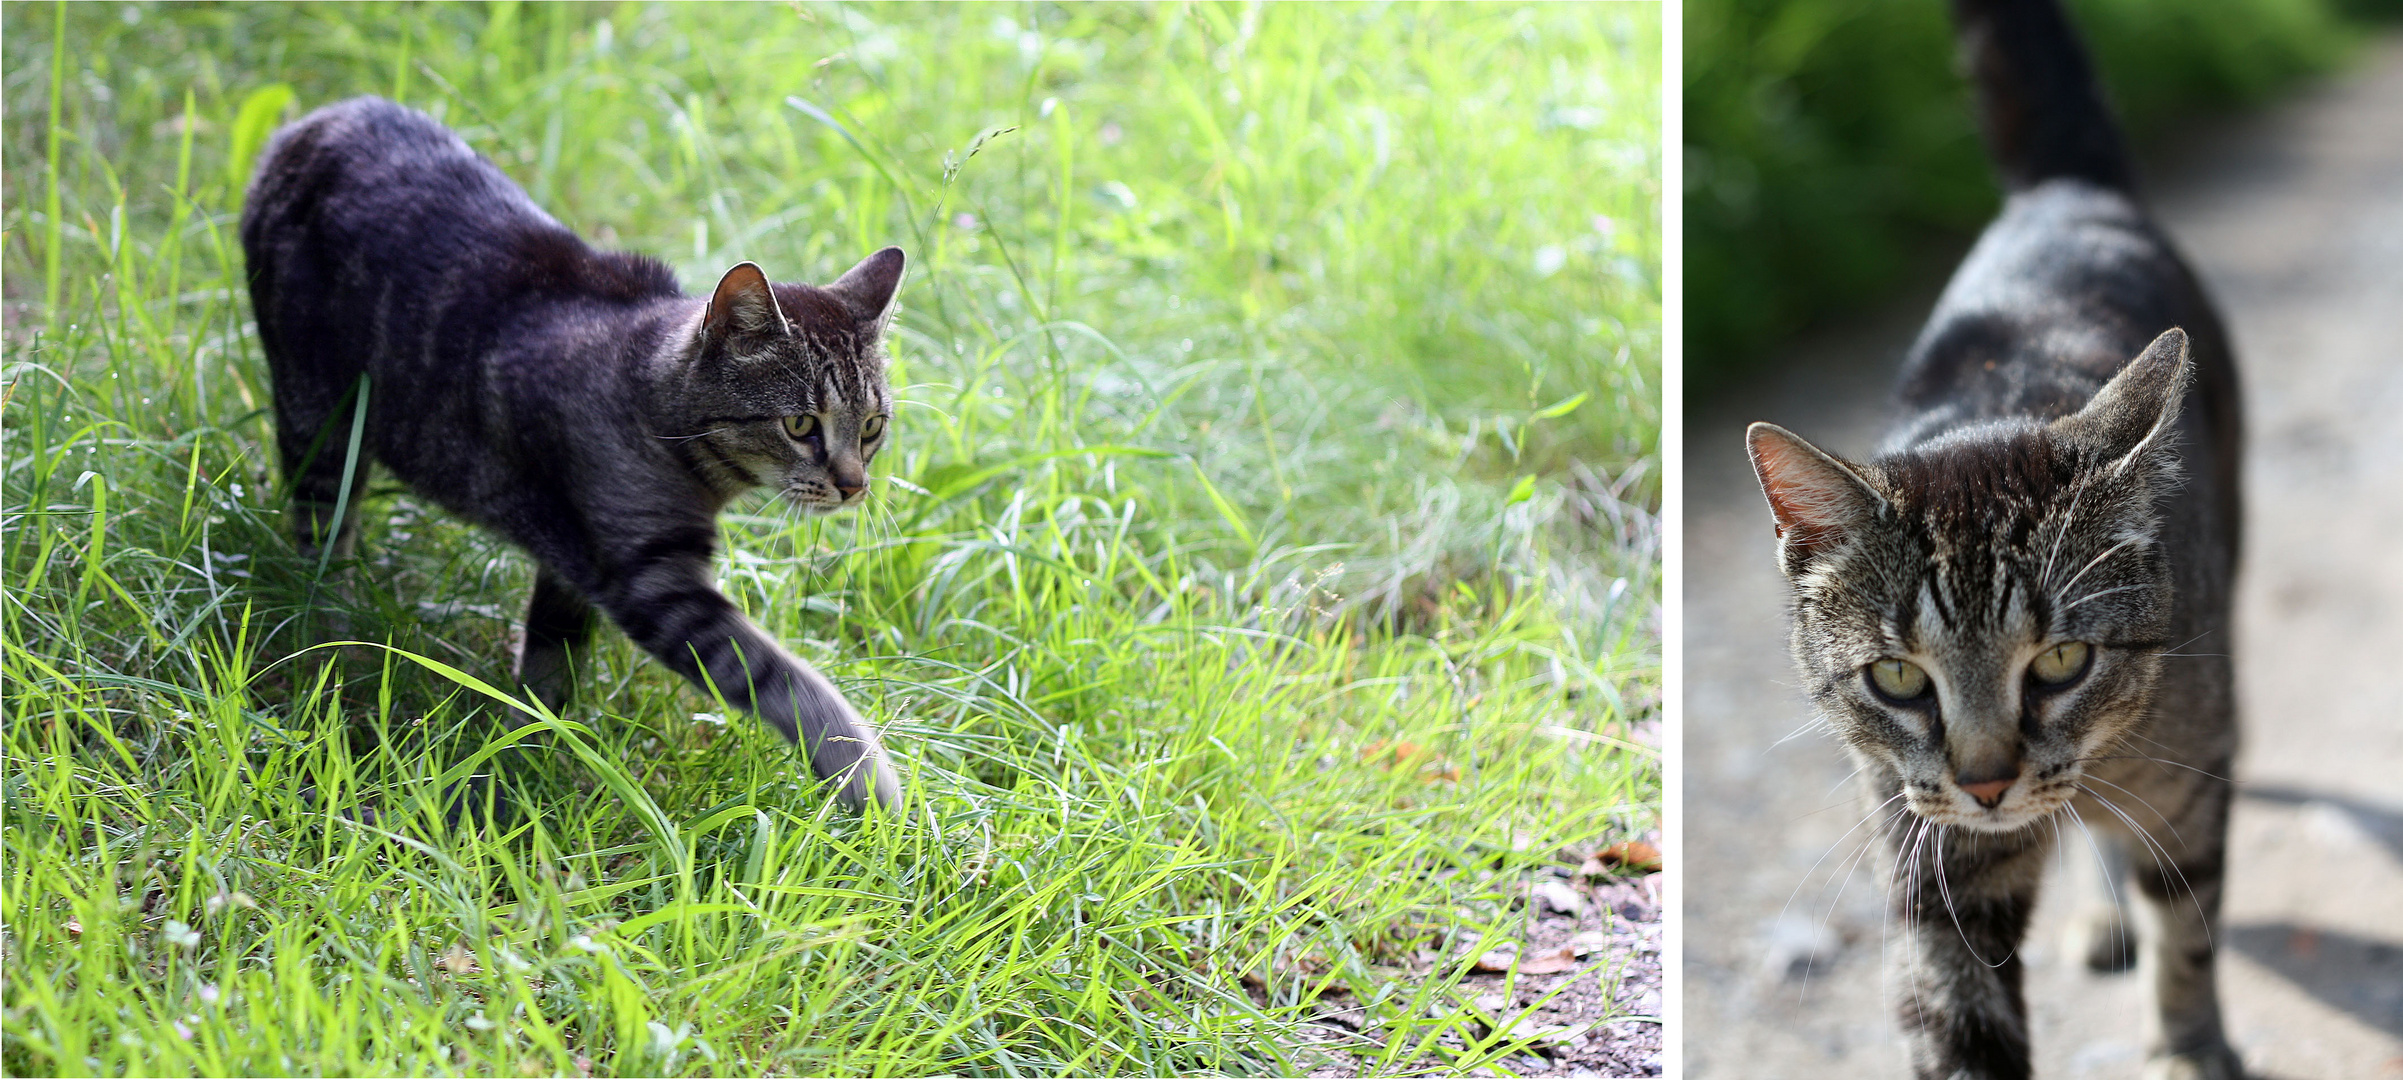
571,399
2062,473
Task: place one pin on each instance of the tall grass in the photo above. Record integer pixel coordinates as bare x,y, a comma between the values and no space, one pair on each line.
1260,583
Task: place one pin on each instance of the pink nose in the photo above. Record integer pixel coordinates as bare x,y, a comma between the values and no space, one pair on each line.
1990,793
849,492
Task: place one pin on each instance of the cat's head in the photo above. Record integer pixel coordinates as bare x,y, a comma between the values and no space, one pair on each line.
784,384
1982,614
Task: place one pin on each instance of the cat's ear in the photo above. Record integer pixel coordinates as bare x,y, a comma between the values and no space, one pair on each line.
1816,498
743,305
868,289
2134,412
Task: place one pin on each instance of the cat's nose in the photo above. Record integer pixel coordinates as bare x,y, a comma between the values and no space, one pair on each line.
850,492
1988,793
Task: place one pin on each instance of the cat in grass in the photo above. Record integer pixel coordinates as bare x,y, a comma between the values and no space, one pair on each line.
572,400
2015,614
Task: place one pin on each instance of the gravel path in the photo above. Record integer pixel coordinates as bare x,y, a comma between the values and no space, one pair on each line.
2295,219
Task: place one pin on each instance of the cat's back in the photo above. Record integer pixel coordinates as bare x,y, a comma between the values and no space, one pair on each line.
2063,288
386,192
368,171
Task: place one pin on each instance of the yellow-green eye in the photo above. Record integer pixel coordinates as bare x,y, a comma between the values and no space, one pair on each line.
2060,664
870,430
801,427
1900,680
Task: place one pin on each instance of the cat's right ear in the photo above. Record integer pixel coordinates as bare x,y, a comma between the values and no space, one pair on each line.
1816,498
742,304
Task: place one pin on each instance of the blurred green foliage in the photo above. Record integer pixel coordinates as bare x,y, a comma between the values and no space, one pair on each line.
1829,142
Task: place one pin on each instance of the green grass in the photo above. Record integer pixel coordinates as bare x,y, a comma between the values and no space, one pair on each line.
1831,146
1262,581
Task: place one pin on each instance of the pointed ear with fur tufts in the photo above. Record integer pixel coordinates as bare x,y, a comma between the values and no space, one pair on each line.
743,305
868,288
1816,498
2132,414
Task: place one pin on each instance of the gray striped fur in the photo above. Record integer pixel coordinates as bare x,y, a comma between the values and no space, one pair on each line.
2062,470
573,400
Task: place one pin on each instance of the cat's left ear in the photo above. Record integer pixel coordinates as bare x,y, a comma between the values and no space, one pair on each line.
2134,412
868,289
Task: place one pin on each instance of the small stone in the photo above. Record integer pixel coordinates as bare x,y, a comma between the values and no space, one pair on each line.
1557,896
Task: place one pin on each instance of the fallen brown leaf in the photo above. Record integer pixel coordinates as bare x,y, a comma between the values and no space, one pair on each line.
1498,959
1550,962
1631,856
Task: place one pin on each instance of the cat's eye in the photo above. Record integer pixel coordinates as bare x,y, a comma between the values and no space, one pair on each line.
2061,664
1898,680
801,427
870,430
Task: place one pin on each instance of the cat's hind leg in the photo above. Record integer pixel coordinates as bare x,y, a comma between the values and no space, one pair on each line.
559,626
316,446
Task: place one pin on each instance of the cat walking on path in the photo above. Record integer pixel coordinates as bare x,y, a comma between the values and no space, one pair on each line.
2015,615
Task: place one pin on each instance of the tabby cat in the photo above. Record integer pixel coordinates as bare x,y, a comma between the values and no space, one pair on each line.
2015,614
571,399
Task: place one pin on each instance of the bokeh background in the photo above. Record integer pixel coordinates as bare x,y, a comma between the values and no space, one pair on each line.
1833,180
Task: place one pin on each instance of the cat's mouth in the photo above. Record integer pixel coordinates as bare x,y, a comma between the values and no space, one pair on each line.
2016,809
813,502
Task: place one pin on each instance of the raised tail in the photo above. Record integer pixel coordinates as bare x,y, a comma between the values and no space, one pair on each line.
2042,113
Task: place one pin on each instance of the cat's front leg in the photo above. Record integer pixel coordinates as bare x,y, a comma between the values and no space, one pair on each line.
1962,902
675,614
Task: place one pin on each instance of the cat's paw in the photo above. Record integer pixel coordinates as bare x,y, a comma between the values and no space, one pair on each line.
2106,941
2214,1063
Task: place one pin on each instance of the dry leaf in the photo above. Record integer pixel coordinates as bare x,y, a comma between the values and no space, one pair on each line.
1631,856
1549,962
1498,959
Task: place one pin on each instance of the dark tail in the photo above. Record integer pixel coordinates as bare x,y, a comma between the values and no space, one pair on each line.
2042,113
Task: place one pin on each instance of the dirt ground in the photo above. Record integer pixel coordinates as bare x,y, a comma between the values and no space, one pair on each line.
2294,217
1584,988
